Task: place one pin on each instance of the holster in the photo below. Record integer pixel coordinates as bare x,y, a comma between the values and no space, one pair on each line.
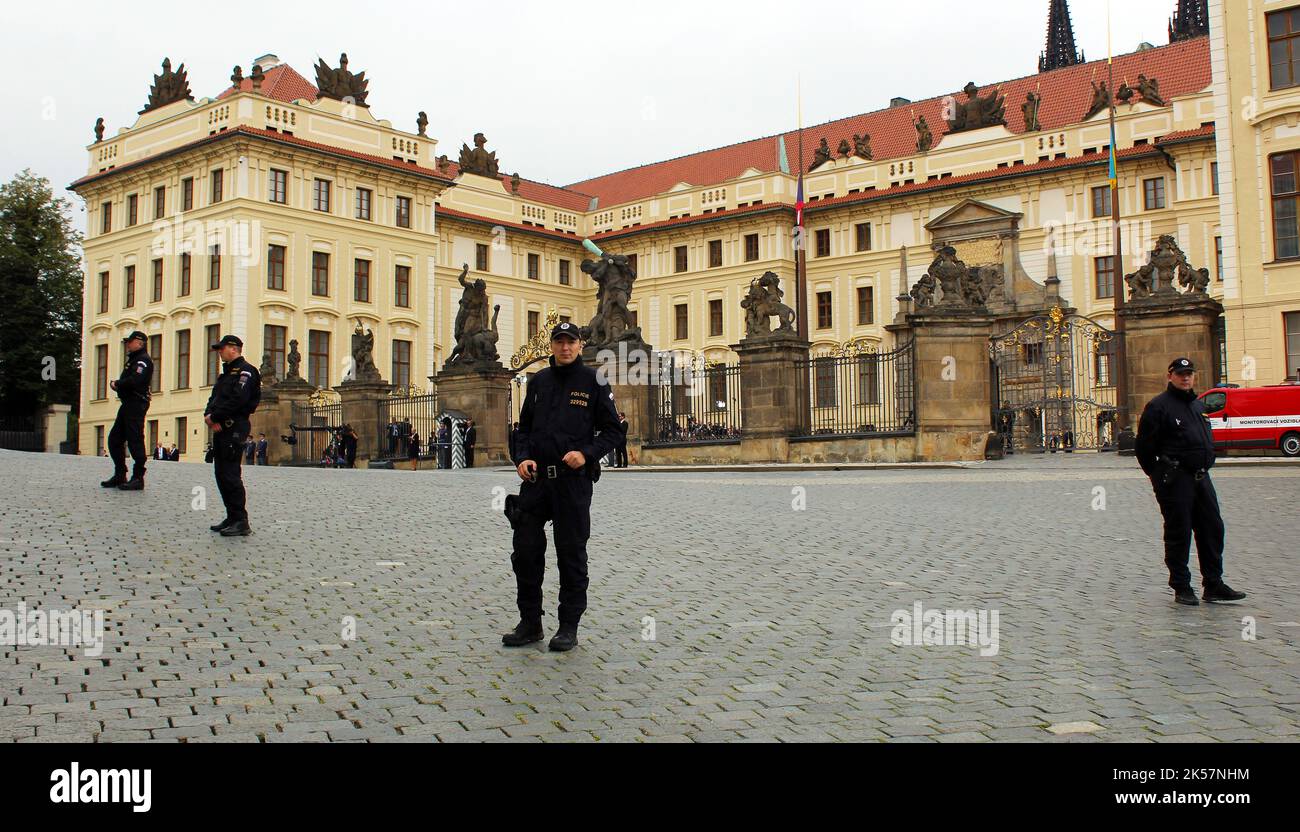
512,510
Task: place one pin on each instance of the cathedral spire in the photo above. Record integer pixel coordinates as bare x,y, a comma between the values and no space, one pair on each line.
1060,39
1191,20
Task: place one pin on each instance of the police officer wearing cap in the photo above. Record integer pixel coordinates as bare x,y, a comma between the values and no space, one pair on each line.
1176,450
566,424
132,388
234,398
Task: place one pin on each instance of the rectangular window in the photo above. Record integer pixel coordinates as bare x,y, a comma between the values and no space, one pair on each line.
1101,206
862,236
679,259
1104,363
1218,259
533,323
320,195
103,292
218,186
273,337
402,364
866,305
105,217
159,202
364,196
275,267
211,335
156,297
869,379
279,187
1284,48
361,281
480,257
318,358
182,434
214,268
1292,323
1153,193
1282,182
1214,178
101,371
99,440
715,318
824,375
132,209
182,359
715,253
823,242
564,272
681,319
128,288
534,267
631,262
320,273
184,289
1104,270
402,286
403,212
155,352
153,436
751,247
823,310
187,193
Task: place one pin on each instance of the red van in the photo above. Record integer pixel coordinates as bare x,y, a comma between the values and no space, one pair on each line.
1255,417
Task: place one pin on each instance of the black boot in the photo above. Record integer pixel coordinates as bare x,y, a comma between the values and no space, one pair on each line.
133,484
113,481
221,525
237,528
1184,595
1220,592
527,631
566,638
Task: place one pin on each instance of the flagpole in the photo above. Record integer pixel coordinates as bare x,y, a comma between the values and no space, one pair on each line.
801,250
1121,352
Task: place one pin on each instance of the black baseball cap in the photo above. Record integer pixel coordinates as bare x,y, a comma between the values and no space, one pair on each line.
564,329
1182,365
228,339
134,335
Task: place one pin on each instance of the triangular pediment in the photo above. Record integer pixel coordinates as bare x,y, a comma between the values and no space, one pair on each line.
970,211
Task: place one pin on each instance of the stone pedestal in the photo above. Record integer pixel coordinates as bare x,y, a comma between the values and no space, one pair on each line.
360,400
952,382
773,395
56,427
1157,330
481,392
275,413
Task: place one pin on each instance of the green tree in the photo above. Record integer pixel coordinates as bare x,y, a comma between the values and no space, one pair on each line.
40,298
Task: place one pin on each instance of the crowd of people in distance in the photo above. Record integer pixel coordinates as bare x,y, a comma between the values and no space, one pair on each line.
162,452
341,452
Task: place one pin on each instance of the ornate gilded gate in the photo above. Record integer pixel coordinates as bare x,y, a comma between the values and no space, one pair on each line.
1054,384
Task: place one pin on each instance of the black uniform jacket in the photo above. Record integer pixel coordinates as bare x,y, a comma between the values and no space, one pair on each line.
563,410
1174,427
134,383
236,394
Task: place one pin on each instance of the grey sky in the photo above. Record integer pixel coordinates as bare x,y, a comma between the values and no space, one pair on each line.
563,90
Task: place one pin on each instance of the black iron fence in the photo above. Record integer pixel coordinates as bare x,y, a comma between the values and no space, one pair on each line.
403,419
23,433
694,405
863,393
314,433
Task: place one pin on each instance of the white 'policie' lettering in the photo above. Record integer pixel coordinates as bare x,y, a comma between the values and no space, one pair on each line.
133,786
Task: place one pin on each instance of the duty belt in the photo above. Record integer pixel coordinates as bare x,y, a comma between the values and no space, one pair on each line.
552,472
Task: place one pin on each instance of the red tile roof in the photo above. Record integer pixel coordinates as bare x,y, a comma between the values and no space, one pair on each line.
1181,68
282,83
530,191
245,130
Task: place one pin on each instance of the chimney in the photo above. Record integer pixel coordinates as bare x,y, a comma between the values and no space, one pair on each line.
267,61
898,101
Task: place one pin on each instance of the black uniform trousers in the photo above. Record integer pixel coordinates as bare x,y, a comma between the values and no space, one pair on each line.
227,454
1191,509
127,433
566,502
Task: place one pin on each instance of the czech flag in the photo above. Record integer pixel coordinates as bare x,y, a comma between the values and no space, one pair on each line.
798,204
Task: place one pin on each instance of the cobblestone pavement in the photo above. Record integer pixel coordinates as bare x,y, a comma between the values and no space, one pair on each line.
768,622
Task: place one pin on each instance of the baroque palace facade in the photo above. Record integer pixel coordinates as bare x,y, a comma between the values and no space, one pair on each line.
281,210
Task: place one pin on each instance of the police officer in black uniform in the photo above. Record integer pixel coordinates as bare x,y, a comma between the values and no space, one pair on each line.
566,424
1176,450
128,429
234,398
